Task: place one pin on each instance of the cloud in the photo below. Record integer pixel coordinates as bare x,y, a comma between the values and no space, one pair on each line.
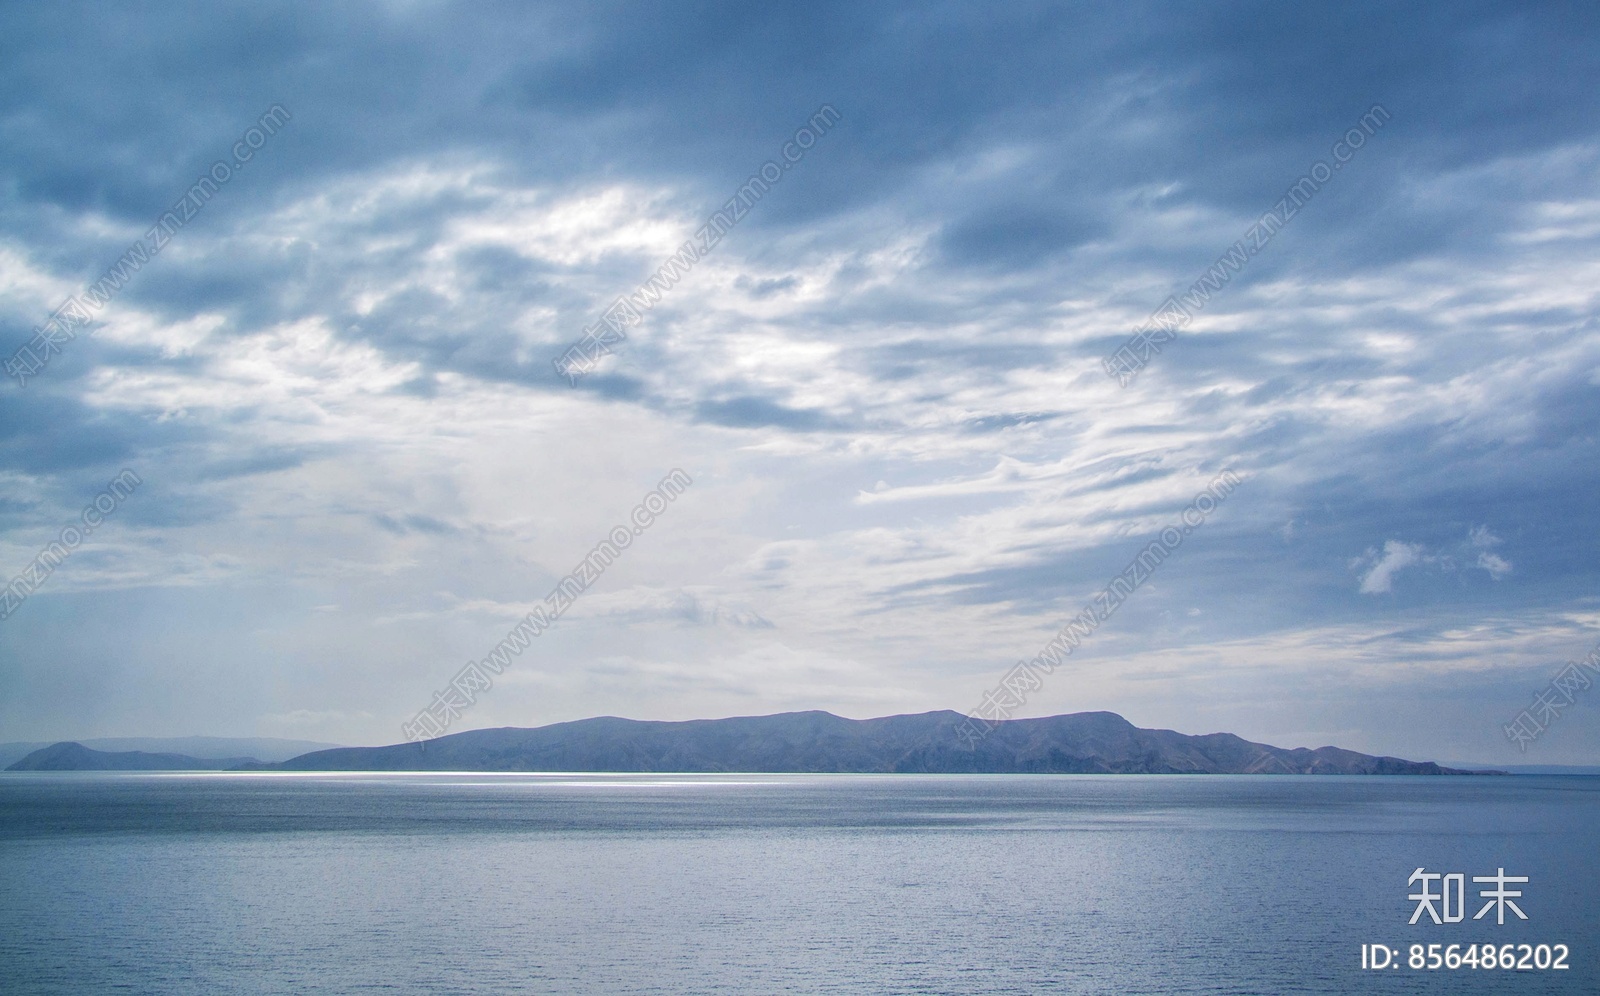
1396,557
682,606
885,380
1481,538
1496,567
1379,570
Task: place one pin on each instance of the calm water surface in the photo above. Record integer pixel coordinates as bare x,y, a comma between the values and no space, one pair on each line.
273,883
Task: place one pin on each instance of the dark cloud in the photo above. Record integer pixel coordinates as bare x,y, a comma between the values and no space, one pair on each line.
748,412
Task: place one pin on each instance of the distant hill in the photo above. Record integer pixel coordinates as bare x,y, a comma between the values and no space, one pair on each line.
69,756
13,752
1080,743
1537,769
205,748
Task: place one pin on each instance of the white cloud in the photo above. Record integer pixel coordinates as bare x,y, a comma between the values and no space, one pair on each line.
1496,567
1396,557
1380,569
1481,538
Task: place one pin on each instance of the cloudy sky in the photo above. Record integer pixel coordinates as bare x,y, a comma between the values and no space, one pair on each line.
360,468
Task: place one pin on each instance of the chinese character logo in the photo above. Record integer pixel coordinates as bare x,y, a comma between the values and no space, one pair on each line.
1448,904
1499,898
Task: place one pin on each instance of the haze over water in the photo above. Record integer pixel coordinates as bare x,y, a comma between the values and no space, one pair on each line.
177,884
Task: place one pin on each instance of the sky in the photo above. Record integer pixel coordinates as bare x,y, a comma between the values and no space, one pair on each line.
358,466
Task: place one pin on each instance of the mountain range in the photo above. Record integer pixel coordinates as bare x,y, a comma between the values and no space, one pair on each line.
71,756
200,748
1085,743
1079,743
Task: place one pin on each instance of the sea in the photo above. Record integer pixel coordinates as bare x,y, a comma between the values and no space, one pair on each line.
167,883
